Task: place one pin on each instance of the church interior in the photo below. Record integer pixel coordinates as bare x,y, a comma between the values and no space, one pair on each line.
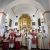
24,24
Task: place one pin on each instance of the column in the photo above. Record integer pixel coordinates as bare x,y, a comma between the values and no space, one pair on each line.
46,15
2,22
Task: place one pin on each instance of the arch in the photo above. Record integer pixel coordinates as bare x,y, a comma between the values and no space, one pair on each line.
31,2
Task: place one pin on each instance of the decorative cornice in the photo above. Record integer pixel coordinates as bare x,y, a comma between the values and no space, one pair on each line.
46,12
3,13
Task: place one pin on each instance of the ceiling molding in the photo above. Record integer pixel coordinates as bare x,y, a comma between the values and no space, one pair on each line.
46,12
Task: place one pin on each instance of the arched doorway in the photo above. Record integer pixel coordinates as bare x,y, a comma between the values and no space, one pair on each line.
25,21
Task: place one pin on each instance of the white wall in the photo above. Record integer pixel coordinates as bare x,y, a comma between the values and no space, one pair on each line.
34,19
9,15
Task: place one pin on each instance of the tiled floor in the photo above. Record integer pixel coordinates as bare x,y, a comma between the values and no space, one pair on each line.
0,48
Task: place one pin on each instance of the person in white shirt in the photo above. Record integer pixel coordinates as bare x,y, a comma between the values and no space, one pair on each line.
24,38
45,39
40,40
29,40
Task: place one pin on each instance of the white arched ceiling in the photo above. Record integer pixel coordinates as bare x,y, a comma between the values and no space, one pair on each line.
5,3
33,3
17,7
24,8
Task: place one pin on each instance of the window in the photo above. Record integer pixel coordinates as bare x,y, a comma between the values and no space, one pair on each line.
16,23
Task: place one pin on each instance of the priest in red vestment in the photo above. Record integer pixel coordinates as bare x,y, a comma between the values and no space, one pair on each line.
17,40
34,39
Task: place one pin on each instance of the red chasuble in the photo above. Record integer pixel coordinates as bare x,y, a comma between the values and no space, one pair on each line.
34,37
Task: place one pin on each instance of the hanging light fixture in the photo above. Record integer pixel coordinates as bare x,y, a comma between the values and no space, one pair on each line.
16,16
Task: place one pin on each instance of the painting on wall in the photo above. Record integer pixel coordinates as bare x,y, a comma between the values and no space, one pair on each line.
39,22
33,23
10,22
16,23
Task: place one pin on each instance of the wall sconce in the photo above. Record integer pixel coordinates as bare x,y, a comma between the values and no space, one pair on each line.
16,16
33,15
